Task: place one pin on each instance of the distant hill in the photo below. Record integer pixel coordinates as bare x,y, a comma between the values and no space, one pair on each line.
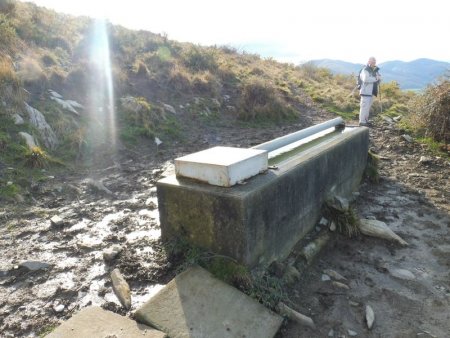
413,75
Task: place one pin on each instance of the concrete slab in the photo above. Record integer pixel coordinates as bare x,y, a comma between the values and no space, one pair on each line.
222,166
195,304
94,322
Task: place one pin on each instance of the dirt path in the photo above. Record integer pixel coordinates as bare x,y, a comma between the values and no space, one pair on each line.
52,266
408,288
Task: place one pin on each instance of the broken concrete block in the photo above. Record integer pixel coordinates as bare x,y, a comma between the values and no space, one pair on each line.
93,321
195,304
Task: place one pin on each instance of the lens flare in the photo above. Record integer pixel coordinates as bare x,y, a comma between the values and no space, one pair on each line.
102,121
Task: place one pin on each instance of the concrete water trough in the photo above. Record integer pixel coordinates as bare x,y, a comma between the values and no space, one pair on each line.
255,204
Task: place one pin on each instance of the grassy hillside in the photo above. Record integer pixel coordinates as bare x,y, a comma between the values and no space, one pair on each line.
82,75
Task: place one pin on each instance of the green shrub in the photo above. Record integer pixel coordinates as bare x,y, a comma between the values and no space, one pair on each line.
431,112
10,89
8,191
206,84
260,99
199,59
7,7
371,171
7,33
49,59
36,157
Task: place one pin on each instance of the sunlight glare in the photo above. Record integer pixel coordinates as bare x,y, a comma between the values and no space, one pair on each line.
102,111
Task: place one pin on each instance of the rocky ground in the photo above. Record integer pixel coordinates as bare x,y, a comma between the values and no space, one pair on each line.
407,287
56,255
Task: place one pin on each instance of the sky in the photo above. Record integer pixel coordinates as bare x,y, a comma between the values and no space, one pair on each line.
291,31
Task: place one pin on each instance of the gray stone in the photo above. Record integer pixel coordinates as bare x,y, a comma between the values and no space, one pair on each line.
352,333
339,203
402,274
379,229
323,221
370,316
333,226
29,140
18,120
111,253
56,220
96,322
195,304
59,308
325,277
34,265
37,119
68,104
387,119
169,108
408,138
340,285
335,275
121,288
425,160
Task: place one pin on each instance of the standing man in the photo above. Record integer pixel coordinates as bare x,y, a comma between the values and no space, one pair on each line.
370,79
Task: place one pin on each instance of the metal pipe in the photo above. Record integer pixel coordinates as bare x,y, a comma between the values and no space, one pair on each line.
298,135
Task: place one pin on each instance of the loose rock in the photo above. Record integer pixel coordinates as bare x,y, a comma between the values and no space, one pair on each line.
379,229
402,274
370,316
285,310
111,253
121,289
340,285
333,274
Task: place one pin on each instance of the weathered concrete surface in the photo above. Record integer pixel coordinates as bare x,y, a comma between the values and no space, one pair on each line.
222,166
95,322
195,304
262,220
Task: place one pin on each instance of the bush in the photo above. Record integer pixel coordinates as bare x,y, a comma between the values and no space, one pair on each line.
260,99
198,59
10,91
48,59
7,6
36,158
7,33
431,112
206,84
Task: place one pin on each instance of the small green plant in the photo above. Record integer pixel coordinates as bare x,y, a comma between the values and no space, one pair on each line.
7,32
347,222
47,330
262,100
199,59
268,290
36,157
8,191
431,114
371,170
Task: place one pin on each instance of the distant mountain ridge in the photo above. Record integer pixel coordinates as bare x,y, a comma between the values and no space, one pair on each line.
413,75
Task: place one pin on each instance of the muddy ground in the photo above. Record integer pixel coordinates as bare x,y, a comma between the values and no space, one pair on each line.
50,267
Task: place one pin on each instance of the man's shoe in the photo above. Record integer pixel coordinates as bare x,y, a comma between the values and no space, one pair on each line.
365,124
